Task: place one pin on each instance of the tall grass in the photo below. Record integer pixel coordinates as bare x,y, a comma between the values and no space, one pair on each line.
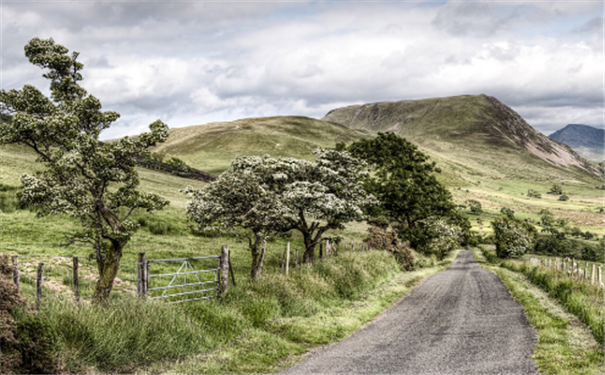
581,299
127,333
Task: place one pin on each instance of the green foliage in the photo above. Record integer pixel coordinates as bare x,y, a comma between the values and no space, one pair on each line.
474,206
556,246
533,193
258,197
37,342
563,197
406,186
511,239
556,189
507,212
444,237
546,217
64,132
180,167
125,333
382,239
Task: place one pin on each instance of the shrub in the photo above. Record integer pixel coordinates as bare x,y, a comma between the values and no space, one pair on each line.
510,238
444,238
556,189
507,212
382,239
533,193
161,228
475,206
563,197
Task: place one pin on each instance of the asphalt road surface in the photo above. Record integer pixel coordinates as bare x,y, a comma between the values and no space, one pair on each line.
460,321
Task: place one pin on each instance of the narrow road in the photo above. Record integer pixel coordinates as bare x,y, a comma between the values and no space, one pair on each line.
460,321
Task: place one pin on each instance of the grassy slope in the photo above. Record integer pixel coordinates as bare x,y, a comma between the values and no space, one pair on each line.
211,147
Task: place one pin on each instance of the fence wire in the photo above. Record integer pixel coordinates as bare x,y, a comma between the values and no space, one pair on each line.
58,276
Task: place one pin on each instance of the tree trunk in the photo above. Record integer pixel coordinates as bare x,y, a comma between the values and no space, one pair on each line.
108,272
309,255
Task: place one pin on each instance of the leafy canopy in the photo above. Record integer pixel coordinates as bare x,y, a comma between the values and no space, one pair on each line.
64,131
405,184
271,195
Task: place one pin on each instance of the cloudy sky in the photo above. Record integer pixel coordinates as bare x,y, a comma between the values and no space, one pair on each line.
194,62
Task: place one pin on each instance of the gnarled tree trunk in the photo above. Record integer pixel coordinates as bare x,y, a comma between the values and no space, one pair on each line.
109,271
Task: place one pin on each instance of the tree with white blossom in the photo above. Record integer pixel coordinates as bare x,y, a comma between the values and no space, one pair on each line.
88,180
267,195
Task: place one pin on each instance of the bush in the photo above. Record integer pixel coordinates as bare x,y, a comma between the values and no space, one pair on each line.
507,212
37,343
533,193
511,239
160,228
563,197
381,239
556,189
475,206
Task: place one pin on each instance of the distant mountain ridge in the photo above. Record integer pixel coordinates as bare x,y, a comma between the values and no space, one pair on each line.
476,131
586,140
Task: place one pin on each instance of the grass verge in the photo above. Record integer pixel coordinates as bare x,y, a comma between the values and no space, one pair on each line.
564,345
257,327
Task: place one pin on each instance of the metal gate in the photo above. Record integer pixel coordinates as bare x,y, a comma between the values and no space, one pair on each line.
201,283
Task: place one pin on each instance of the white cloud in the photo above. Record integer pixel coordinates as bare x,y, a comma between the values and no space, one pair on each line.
189,63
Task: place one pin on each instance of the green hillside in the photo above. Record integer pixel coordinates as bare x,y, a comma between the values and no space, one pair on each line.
472,135
211,147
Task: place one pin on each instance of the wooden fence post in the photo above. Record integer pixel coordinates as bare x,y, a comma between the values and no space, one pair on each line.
592,274
231,270
599,279
39,280
327,248
16,277
76,281
224,271
296,259
142,277
287,257
585,270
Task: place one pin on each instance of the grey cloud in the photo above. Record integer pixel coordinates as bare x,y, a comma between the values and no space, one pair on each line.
470,19
592,26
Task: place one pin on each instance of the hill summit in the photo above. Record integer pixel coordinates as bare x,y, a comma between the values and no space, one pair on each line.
586,140
470,132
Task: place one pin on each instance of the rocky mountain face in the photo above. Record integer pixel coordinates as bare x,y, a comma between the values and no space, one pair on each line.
586,140
479,129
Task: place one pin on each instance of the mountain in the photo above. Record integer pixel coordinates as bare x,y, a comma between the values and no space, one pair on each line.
471,134
585,140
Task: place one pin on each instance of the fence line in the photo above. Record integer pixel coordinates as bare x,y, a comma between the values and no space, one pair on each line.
41,276
589,273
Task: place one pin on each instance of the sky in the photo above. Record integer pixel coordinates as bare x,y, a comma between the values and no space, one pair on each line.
195,62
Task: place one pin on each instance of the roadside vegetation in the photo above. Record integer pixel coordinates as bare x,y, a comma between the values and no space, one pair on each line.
567,313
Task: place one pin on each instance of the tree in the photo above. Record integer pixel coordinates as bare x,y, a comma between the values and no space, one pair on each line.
475,206
64,132
507,212
556,189
510,238
311,197
547,218
237,203
406,186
